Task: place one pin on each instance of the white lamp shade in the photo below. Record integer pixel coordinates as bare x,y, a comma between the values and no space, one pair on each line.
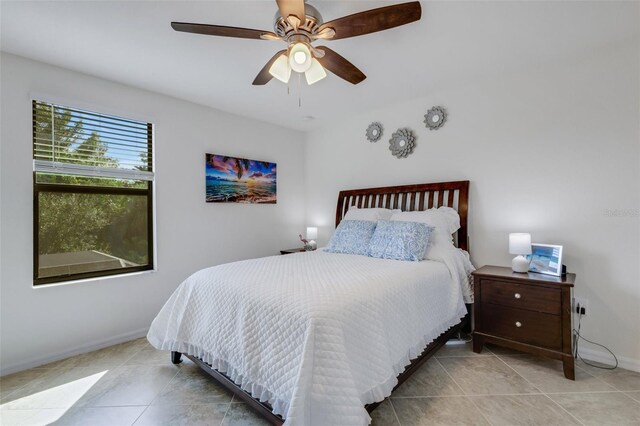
520,243
315,73
312,233
300,57
280,69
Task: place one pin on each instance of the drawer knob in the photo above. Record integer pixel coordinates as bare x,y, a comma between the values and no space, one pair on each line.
518,324
517,296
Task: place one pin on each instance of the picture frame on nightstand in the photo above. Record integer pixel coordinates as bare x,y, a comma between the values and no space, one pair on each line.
545,259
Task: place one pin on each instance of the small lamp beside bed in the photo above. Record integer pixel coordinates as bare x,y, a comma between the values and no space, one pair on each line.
312,234
520,244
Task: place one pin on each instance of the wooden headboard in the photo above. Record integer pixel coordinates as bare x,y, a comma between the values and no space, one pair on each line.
412,198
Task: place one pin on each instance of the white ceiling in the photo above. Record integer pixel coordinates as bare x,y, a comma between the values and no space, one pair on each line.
132,43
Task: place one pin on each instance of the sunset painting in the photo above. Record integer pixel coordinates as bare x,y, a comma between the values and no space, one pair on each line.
238,180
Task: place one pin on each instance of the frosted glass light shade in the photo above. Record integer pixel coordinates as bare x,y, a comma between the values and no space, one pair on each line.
280,69
312,233
300,57
520,243
315,73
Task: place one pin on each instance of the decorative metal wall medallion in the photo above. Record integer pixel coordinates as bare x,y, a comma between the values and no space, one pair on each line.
435,118
374,132
402,142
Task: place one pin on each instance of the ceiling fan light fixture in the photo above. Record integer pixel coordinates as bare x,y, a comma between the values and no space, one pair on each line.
300,57
298,24
281,69
315,72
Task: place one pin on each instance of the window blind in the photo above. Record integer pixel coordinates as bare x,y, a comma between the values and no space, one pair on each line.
77,142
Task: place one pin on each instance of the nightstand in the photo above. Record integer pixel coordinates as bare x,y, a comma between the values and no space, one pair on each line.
526,312
293,250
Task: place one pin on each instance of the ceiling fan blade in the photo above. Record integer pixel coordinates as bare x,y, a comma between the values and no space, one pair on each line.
264,76
340,66
292,7
221,30
374,20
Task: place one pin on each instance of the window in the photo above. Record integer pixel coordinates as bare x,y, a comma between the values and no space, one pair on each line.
92,194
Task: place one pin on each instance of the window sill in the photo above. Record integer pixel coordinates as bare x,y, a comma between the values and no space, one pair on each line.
93,279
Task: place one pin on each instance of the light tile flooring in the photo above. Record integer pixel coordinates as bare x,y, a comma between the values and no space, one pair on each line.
132,383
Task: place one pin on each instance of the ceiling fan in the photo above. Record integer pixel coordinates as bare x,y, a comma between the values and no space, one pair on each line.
299,25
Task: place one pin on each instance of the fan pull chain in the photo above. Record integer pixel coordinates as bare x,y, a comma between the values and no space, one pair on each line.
299,90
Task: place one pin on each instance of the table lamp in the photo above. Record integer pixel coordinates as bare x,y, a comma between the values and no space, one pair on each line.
520,244
312,234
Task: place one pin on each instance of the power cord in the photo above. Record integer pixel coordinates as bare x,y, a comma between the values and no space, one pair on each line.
576,338
468,339
460,340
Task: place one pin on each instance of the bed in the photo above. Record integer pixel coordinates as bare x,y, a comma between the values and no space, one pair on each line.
321,338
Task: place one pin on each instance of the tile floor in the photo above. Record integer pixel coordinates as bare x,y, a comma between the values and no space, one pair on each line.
132,383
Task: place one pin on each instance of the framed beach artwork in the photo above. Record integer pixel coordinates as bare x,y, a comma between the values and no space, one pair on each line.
239,180
545,259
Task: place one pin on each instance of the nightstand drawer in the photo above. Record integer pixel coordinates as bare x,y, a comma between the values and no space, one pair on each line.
534,328
521,296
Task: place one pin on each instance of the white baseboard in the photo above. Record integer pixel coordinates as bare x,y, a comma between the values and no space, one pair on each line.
88,347
606,358
589,354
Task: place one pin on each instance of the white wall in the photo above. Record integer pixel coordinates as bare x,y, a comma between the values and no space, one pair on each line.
39,324
547,150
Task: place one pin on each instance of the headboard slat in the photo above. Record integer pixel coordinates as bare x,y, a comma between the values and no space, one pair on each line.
397,196
430,204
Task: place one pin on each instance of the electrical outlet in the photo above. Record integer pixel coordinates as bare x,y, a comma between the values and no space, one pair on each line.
584,305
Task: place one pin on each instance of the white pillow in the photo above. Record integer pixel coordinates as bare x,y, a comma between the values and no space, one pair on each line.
452,216
442,222
373,214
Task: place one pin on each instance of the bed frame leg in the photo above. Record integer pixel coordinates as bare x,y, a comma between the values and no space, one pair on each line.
468,326
176,357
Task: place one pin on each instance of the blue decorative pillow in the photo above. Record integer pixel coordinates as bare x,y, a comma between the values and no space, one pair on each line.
400,240
352,237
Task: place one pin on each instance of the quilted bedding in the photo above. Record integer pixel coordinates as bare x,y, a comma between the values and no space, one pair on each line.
318,335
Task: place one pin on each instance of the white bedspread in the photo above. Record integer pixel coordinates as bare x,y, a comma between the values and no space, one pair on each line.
318,335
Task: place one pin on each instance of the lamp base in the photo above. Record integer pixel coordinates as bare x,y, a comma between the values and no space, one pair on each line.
520,264
313,244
